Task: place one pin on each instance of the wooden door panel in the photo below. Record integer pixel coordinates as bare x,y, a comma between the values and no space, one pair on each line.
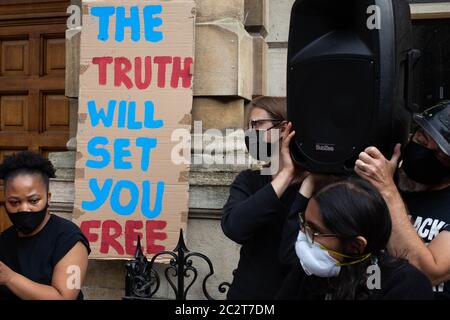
34,112
27,83
4,220
13,113
14,58
54,53
56,112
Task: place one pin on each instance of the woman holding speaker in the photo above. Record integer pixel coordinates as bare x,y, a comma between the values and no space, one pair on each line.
259,203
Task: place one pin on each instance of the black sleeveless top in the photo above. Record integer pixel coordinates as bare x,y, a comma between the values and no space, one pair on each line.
35,257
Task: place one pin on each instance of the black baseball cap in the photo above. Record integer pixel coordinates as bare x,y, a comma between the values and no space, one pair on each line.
436,122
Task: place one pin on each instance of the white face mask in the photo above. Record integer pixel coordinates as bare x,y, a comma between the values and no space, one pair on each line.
314,259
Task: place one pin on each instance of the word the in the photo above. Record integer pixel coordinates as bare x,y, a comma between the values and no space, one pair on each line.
133,22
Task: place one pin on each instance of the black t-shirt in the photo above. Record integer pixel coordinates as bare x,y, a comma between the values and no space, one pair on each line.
254,217
399,281
35,257
430,214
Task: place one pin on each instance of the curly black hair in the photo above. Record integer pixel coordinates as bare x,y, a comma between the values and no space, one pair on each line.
27,162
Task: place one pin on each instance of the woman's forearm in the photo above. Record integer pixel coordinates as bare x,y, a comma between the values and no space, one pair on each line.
26,289
282,182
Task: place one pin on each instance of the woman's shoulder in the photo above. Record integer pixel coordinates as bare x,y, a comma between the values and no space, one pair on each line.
66,234
404,281
400,268
8,234
63,225
65,230
251,175
250,179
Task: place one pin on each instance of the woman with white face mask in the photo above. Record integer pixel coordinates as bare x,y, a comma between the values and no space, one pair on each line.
335,241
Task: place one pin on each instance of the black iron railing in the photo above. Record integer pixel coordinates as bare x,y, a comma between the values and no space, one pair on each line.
143,281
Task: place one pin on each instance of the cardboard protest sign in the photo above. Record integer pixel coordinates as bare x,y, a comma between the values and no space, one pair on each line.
136,65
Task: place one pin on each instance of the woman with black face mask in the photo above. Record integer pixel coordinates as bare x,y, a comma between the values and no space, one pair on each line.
342,230
42,256
421,229
259,202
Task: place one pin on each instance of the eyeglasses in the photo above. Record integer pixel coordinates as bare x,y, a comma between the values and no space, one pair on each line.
311,234
255,124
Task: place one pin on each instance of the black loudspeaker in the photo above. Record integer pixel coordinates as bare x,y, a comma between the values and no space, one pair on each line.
349,80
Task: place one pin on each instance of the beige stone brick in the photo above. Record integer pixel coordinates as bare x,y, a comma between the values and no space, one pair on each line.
218,113
207,237
257,16
76,2
260,49
108,274
277,61
73,37
73,120
223,60
279,20
211,10
97,293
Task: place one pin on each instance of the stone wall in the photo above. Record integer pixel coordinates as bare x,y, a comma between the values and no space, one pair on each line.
234,33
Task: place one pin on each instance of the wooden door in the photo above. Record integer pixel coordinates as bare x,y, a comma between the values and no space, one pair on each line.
34,112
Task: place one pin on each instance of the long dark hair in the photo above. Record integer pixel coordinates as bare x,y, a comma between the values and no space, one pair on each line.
353,207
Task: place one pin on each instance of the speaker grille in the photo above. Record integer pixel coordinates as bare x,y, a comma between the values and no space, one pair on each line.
332,109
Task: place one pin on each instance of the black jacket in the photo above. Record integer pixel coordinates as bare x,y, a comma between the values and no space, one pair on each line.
254,216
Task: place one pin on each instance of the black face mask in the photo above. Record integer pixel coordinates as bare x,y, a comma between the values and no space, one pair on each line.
421,165
26,221
256,146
